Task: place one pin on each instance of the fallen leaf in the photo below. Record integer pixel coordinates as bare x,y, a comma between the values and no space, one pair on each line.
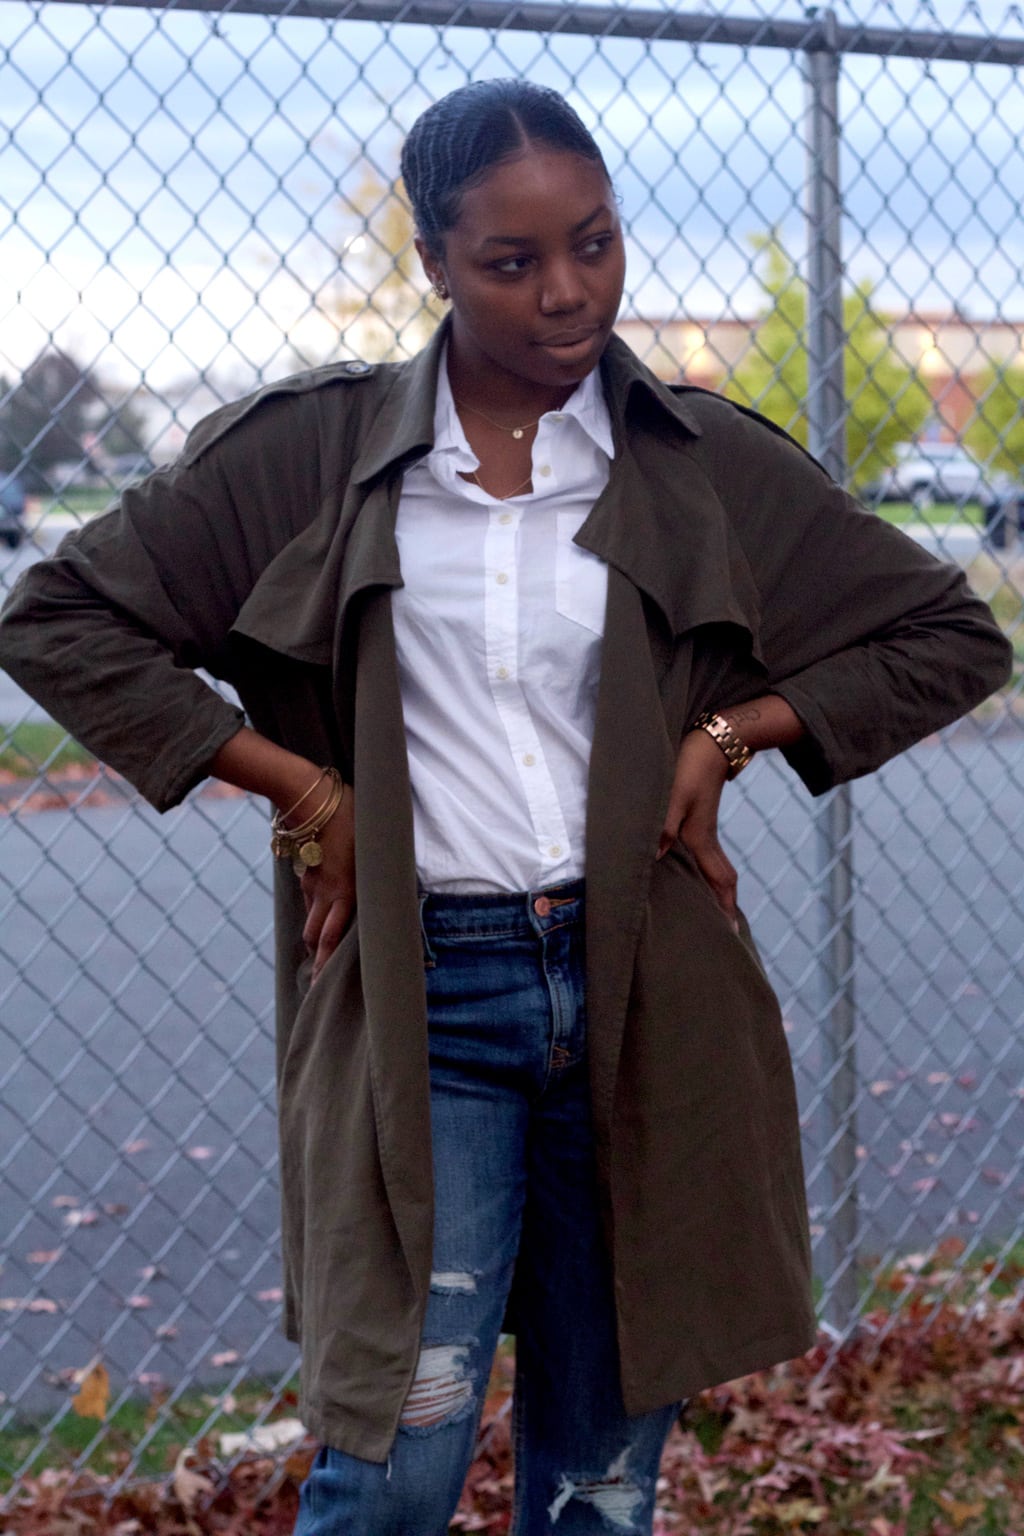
274,1294
63,1200
130,1148
882,1086
200,1154
44,1255
265,1437
167,1331
138,1303
93,1396
226,1357
189,1486
84,1218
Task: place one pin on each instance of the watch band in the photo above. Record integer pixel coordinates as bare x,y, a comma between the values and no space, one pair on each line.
736,752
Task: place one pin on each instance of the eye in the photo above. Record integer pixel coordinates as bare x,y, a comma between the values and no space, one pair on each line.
511,266
596,246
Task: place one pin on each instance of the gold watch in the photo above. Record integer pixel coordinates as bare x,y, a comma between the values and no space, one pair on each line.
737,753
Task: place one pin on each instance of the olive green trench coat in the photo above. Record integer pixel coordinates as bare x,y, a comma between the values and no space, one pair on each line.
267,555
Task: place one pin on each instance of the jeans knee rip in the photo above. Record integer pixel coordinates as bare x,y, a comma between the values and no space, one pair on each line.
615,1496
442,1389
454,1282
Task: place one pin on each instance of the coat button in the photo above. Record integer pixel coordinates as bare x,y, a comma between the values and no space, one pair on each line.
357,367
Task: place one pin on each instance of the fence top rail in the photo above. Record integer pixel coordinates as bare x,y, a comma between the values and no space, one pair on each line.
818,32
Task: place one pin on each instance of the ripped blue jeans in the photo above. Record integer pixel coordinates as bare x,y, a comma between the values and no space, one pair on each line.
516,1222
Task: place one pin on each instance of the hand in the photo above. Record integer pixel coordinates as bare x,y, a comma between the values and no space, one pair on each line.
329,890
692,816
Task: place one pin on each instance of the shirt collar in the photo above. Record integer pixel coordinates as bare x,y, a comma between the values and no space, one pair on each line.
403,427
586,406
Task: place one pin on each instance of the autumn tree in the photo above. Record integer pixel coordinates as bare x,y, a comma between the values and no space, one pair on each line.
996,433
886,402
379,299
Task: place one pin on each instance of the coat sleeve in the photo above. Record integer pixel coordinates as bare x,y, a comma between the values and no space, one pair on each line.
873,641
107,634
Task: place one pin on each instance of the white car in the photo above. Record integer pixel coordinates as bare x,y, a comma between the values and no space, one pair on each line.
925,473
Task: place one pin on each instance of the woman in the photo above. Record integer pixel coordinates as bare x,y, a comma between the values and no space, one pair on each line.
524,597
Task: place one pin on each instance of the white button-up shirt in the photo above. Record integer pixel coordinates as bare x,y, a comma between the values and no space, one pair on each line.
498,629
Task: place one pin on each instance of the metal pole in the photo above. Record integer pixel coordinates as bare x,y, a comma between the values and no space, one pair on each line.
826,411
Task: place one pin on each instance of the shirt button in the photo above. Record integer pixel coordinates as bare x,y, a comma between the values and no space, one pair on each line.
545,469
506,517
555,850
502,672
529,759
501,578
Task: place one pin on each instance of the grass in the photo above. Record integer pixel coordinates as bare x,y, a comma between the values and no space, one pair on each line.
938,515
81,502
144,1433
28,748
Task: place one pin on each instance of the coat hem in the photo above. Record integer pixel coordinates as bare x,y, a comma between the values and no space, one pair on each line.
342,1433
760,1356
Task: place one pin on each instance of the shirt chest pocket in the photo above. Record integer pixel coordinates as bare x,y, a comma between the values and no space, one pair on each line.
581,579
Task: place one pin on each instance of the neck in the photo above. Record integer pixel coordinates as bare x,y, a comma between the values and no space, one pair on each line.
506,397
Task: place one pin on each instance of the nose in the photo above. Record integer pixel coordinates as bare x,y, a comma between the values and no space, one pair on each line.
563,289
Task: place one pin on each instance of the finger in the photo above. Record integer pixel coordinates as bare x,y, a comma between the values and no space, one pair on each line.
719,873
317,909
334,926
673,820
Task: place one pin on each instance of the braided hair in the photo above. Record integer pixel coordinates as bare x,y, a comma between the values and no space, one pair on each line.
453,144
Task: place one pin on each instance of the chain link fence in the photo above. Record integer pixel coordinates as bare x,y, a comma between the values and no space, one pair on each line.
823,216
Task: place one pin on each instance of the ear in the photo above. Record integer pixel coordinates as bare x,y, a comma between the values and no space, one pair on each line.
430,264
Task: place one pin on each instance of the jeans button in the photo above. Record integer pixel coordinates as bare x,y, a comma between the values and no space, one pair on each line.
542,906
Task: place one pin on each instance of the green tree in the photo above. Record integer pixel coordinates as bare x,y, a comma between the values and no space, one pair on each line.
887,403
44,417
59,412
996,433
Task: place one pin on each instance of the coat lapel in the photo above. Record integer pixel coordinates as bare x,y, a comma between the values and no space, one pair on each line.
300,602
660,521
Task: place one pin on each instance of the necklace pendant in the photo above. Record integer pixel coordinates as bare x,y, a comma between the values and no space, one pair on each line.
517,431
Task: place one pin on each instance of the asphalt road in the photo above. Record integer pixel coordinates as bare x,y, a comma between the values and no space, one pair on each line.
137,1141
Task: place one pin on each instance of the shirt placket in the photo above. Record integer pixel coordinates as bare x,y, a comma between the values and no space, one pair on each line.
501,635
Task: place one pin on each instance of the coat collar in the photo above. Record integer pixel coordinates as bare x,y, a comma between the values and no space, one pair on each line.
659,520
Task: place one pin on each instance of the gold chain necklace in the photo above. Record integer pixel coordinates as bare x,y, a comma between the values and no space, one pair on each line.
516,432
508,494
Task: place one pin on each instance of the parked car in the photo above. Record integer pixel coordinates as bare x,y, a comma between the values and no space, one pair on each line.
12,510
925,473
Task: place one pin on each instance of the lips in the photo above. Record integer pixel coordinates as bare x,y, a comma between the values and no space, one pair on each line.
568,339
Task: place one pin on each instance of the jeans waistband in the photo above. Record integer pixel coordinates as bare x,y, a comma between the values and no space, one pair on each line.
503,915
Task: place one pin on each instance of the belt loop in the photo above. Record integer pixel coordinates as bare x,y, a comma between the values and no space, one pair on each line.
429,958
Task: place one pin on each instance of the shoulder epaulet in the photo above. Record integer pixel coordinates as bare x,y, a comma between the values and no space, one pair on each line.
751,413
213,427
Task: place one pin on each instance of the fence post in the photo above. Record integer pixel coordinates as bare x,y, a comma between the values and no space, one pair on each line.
826,412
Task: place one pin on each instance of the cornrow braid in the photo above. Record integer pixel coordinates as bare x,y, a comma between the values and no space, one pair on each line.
455,141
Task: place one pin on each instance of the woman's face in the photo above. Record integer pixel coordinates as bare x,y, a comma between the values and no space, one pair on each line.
534,266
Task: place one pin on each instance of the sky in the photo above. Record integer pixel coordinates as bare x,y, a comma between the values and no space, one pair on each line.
180,192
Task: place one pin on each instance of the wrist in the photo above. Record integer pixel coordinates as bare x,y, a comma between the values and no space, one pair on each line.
734,750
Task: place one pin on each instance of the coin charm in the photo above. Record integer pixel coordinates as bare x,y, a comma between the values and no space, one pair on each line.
311,854
517,432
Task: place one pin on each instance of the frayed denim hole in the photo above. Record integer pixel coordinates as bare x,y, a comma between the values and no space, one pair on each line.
443,1389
